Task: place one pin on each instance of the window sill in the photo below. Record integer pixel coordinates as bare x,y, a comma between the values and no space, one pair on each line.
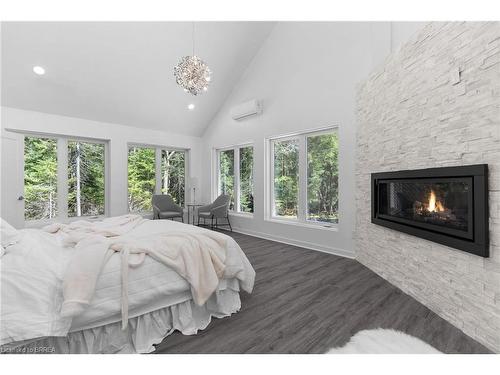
318,226
247,215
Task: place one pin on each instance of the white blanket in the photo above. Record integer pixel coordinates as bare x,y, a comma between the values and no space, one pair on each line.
110,227
197,257
32,274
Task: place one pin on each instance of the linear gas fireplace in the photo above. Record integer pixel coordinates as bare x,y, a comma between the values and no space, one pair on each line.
445,205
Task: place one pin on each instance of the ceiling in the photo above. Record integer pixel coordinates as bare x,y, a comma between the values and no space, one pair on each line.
122,72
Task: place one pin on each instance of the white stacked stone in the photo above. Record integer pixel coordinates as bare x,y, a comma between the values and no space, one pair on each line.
436,102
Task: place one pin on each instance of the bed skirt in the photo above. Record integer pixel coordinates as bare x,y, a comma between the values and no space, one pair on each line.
143,331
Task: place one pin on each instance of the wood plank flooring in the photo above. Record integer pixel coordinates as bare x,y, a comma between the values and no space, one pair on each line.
305,301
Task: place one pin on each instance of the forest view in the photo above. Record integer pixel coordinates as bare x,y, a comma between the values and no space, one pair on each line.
142,176
173,173
85,178
246,179
226,175
286,178
322,178
40,178
227,178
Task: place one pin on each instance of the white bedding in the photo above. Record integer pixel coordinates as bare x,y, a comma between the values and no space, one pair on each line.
32,272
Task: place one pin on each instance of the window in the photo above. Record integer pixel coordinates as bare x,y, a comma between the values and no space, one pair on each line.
63,178
141,178
246,179
304,177
322,178
173,174
226,175
155,170
235,177
286,178
40,178
85,178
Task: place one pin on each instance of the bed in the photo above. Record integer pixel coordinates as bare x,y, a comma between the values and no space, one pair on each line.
34,270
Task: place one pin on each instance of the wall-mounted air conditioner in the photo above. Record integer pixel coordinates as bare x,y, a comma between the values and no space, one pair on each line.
247,109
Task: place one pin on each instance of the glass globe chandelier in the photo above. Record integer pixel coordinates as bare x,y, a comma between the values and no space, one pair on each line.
192,73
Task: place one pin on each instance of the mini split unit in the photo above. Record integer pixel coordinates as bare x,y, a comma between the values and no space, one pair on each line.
245,110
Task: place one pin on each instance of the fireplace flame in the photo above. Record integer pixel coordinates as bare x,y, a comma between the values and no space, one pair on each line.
434,204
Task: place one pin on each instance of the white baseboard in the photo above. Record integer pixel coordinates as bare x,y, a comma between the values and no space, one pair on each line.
306,245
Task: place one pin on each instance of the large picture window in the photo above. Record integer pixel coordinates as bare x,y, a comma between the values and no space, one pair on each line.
155,170
304,177
235,177
63,178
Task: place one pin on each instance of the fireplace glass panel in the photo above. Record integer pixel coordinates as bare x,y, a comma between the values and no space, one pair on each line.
444,203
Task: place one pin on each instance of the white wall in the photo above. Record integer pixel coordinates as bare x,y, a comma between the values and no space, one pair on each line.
118,137
305,75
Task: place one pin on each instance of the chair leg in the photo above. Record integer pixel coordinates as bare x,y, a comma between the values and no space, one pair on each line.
216,220
230,227
212,223
182,218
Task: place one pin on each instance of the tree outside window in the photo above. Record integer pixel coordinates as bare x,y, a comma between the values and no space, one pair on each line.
286,178
85,178
173,174
141,178
226,175
40,178
305,177
323,178
246,179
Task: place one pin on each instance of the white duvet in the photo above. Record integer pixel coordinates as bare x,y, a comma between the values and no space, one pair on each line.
32,273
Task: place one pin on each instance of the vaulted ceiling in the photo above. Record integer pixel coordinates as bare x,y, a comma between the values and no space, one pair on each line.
122,72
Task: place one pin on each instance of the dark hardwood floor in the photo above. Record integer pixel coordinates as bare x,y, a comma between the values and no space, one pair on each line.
305,301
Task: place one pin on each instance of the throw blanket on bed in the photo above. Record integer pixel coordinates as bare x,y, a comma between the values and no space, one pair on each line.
198,257
110,227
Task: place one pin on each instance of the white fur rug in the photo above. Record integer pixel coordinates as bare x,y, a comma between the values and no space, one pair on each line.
384,341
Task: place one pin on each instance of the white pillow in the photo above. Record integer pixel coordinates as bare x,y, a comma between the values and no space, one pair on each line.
8,234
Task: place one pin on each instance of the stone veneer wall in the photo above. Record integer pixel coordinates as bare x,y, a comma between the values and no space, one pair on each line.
415,112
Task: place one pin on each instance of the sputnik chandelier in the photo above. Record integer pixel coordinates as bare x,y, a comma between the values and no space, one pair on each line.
192,73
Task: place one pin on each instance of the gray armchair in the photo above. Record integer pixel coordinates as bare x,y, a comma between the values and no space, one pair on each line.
215,211
164,207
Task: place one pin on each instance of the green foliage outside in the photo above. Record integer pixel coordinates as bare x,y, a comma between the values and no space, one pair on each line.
286,177
226,175
323,178
141,178
246,179
173,175
85,178
40,178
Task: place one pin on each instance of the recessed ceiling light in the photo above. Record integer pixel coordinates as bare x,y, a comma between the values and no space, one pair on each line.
191,106
39,70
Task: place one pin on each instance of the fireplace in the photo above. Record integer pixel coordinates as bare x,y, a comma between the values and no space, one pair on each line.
446,205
